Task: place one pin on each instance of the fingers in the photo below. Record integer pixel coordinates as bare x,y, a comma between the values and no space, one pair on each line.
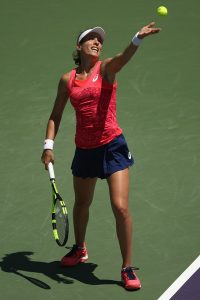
47,163
47,157
150,25
148,30
153,29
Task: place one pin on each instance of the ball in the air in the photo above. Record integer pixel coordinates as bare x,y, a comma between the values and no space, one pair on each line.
162,11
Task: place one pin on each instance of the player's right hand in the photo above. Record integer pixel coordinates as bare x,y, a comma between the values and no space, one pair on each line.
47,157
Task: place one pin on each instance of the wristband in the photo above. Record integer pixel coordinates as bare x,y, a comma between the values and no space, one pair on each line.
135,40
48,144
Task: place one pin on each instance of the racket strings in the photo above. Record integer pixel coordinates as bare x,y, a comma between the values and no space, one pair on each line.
59,217
61,220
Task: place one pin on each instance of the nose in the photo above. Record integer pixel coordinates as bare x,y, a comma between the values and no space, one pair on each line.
96,40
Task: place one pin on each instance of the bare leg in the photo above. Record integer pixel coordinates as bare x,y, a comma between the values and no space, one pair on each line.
119,193
84,191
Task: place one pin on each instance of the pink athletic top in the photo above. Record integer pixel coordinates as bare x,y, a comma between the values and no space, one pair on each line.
94,101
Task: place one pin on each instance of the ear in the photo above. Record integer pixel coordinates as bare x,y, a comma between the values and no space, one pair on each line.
78,47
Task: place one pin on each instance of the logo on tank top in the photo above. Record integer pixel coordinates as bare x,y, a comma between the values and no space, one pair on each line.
95,77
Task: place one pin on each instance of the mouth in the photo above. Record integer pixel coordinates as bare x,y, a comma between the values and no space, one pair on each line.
95,49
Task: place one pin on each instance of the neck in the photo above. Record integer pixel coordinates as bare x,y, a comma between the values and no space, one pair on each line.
87,65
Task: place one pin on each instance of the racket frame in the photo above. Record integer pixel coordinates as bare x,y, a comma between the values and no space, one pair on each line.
57,197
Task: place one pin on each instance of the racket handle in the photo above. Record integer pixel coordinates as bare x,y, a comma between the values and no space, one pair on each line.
51,171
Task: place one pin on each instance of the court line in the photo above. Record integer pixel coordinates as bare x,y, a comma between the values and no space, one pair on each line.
179,282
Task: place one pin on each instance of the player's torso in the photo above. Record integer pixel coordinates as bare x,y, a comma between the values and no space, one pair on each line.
94,101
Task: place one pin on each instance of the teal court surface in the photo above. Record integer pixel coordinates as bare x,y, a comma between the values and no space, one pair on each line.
159,111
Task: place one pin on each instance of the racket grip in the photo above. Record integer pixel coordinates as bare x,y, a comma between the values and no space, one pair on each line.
51,171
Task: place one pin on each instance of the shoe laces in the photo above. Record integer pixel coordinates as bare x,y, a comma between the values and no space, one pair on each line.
130,272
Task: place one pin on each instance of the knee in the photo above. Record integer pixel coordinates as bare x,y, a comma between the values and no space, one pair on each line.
121,212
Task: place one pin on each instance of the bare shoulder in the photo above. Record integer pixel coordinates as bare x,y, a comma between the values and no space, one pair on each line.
65,77
106,71
104,65
63,83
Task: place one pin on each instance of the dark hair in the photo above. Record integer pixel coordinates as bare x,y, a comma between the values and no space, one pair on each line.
76,54
76,57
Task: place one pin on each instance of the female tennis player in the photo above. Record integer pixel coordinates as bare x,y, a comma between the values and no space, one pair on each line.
101,149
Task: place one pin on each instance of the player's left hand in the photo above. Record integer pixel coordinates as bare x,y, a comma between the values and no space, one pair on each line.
148,30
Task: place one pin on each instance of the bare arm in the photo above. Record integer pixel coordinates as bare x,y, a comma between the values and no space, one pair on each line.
55,117
59,105
113,65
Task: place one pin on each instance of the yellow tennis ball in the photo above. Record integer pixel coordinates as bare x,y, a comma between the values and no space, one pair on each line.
162,11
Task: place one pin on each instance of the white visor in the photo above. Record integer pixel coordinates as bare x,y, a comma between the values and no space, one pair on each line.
98,30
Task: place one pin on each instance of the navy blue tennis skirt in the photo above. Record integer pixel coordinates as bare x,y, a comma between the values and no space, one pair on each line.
103,161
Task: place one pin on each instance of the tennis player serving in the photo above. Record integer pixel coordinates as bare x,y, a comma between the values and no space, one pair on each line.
101,149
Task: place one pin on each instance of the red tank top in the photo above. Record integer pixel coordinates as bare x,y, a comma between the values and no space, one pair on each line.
94,101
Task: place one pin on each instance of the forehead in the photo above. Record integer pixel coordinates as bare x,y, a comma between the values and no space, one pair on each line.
91,36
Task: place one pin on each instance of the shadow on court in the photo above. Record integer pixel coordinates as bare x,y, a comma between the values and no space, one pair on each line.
19,262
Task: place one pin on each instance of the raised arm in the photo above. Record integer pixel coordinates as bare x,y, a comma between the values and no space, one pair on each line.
54,120
113,65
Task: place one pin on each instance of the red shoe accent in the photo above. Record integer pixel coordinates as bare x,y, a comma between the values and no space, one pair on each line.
75,256
129,278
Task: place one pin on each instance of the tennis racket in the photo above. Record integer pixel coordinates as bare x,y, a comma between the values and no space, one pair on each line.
60,221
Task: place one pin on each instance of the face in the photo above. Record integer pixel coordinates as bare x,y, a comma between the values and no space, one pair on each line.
91,44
